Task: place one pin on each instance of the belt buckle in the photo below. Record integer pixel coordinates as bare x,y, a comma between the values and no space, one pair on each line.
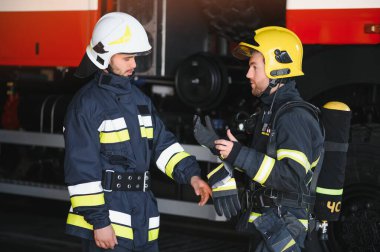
146,179
262,203
106,180
271,195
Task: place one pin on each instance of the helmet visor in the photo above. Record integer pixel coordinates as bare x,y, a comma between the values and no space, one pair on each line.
243,51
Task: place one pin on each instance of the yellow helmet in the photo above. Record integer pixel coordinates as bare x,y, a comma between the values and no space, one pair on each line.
281,48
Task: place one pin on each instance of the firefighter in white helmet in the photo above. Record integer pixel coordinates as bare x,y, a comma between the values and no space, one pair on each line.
112,135
279,162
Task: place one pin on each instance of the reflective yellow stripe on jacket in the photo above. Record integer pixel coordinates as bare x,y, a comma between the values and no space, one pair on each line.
113,131
146,127
268,163
86,194
170,157
120,222
296,156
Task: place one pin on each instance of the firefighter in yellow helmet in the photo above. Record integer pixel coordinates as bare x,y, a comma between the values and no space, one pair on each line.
112,136
280,159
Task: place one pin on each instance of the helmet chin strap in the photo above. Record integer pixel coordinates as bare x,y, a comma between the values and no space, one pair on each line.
272,83
267,114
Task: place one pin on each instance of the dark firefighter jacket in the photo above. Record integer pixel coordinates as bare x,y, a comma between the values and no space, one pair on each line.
111,125
299,144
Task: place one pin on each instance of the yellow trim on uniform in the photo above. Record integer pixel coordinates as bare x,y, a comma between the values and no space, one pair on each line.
264,170
291,243
215,170
314,164
114,137
79,221
297,156
87,200
153,234
229,185
123,39
253,216
223,188
174,161
305,223
328,191
146,132
123,231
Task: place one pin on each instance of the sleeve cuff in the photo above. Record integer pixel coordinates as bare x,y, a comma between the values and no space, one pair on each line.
101,224
234,153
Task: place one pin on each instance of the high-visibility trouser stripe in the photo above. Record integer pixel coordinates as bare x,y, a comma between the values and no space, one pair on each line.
215,170
305,223
114,137
290,243
146,132
154,223
328,191
264,170
153,234
174,161
120,230
230,185
87,200
253,216
297,156
86,188
165,156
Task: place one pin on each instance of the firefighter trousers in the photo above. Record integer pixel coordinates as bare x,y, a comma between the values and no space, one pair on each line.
90,246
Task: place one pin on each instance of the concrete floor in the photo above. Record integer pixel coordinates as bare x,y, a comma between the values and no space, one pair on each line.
33,224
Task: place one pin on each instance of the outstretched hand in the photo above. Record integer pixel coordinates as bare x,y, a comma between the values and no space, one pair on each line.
201,188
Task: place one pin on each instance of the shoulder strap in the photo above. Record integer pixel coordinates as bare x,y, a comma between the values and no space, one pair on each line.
315,111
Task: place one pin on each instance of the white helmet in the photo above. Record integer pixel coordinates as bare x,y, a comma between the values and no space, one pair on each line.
115,32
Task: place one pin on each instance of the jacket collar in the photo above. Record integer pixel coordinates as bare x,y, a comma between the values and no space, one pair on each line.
287,92
115,83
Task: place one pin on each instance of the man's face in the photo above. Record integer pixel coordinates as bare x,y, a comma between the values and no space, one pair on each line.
256,74
123,64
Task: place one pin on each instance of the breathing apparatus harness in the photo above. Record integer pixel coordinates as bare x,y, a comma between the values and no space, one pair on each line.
269,197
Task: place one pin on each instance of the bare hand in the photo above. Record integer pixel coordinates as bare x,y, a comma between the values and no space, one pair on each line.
105,237
201,188
224,146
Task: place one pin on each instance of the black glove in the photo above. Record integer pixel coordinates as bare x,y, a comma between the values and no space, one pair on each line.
205,136
224,191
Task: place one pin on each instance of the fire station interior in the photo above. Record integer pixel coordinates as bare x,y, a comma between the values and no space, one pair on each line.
190,71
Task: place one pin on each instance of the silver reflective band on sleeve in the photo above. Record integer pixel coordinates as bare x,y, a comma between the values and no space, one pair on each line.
154,222
86,188
167,154
112,125
120,218
145,121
